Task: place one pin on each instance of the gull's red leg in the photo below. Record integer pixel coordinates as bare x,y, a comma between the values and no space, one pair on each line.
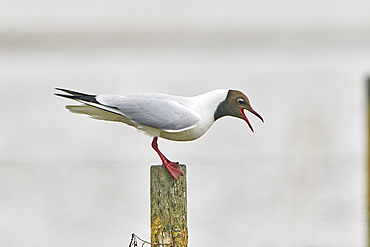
172,167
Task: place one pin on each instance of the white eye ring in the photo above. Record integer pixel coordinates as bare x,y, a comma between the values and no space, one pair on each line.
240,101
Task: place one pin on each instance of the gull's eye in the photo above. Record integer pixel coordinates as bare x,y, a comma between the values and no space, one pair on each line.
240,101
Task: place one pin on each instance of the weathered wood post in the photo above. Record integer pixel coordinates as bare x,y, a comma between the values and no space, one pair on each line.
368,159
168,209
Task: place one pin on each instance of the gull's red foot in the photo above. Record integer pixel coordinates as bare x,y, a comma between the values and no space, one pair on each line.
172,167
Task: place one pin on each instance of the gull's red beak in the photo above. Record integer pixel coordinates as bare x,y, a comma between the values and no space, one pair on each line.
246,119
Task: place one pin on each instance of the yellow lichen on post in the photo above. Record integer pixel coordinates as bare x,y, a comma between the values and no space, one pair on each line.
156,225
168,207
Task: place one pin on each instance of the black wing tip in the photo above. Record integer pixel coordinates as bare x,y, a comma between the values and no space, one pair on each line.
77,95
74,92
66,90
66,96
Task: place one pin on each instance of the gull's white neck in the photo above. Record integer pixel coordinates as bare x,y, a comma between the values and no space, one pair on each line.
208,102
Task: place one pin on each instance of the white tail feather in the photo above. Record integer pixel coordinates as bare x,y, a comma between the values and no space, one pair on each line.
97,113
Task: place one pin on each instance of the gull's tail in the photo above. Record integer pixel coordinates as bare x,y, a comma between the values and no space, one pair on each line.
92,107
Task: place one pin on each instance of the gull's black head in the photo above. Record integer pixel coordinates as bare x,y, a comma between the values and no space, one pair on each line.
235,105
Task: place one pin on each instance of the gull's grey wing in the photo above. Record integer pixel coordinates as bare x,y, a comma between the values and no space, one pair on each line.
153,110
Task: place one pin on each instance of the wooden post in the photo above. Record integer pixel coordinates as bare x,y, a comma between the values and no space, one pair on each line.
168,210
368,159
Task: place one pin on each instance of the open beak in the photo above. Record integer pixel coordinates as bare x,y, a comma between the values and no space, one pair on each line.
246,119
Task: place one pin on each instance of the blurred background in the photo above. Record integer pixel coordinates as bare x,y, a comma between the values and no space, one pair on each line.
299,180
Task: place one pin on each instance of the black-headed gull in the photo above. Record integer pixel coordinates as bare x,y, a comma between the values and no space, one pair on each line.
161,115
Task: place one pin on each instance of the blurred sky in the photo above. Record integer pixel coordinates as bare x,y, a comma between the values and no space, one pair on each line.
97,15
299,180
